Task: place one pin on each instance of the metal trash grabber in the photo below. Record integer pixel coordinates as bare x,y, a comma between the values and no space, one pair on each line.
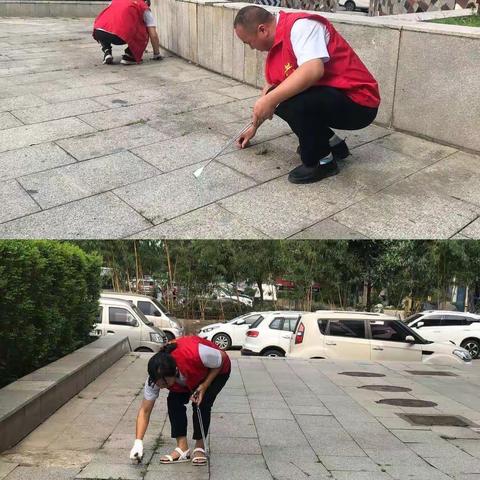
200,421
199,171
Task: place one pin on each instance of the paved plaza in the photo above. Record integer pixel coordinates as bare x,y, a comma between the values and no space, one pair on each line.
276,419
89,150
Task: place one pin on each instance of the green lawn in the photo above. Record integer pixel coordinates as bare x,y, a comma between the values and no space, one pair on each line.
471,21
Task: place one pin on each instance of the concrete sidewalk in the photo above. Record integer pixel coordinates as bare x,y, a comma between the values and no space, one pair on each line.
275,419
88,150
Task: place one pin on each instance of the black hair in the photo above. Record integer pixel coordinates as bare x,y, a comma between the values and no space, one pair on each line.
147,2
162,364
251,17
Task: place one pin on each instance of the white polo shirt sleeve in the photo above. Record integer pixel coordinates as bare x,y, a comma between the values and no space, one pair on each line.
210,357
149,19
149,392
309,40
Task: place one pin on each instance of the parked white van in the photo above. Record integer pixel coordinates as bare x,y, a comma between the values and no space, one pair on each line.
368,336
120,317
461,328
155,311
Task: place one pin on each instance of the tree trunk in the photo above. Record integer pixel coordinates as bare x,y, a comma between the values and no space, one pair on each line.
260,288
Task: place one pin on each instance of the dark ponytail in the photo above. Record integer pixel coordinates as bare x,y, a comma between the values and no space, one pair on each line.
162,364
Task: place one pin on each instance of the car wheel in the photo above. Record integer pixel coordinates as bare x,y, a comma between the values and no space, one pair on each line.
473,347
222,341
273,353
350,6
170,336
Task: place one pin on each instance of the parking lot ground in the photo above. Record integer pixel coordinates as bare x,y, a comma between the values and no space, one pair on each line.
275,419
107,151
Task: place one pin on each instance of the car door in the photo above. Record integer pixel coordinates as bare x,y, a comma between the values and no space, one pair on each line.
285,334
239,329
121,322
152,312
388,342
347,339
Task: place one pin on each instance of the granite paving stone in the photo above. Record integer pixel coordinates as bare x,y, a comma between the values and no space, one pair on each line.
15,201
77,93
54,187
153,198
7,120
16,163
100,216
327,229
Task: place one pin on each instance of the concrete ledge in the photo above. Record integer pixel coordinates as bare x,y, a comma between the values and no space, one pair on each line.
26,403
32,8
426,71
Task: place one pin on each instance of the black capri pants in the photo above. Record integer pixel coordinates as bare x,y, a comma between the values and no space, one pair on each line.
312,113
177,410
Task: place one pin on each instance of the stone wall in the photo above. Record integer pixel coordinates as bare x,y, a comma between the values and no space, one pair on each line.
427,72
39,8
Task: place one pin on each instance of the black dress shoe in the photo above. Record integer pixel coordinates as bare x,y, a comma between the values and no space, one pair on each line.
340,151
304,174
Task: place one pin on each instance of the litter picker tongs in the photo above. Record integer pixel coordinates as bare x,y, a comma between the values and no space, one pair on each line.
199,171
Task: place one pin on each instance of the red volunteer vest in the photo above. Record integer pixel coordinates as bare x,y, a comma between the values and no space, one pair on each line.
190,364
124,18
344,70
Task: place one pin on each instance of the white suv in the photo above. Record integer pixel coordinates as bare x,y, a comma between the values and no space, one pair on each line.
368,336
270,335
461,328
229,334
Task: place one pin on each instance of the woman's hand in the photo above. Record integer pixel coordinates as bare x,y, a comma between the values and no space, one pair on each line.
198,394
244,139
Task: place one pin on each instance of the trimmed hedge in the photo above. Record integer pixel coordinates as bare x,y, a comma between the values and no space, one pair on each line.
48,303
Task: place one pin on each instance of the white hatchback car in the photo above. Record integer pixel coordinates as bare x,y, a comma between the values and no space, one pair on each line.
270,335
352,5
368,336
229,334
461,328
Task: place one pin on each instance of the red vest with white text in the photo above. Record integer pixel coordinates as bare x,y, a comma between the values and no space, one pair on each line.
190,364
124,18
344,70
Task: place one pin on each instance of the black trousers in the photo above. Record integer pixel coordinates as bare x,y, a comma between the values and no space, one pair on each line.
177,410
107,39
311,115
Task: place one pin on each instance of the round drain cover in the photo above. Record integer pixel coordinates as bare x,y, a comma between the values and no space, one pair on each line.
385,388
406,402
362,374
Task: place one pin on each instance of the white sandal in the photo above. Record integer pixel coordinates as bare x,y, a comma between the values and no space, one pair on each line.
184,456
200,459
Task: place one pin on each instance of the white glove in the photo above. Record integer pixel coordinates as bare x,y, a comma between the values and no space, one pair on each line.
156,56
136,454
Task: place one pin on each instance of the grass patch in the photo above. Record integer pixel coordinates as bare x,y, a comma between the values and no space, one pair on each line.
470,21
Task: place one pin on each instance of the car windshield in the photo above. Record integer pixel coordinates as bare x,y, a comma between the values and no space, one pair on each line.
413,317
410,331
142,317
161,306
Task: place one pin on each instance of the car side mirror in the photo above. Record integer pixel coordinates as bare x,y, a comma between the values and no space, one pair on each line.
409,339
241,322
133,322
156,313
420,324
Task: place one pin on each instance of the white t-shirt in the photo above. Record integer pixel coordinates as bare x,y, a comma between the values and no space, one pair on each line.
309,40
210,357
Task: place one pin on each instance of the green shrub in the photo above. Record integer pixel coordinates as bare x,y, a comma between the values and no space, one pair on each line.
48,303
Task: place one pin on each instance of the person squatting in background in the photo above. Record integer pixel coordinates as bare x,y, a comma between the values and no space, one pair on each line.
127,22
192,369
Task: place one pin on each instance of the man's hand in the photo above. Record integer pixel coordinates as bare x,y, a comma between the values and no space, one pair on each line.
244,139
136,454
198,394
157,56
263,109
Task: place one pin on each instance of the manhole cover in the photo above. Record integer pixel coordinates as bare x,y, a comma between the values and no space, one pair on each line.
362,374
406,402
436,420
385,388
433,373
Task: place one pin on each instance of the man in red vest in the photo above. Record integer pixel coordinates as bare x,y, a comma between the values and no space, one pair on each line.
193,369
127,22
315,82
